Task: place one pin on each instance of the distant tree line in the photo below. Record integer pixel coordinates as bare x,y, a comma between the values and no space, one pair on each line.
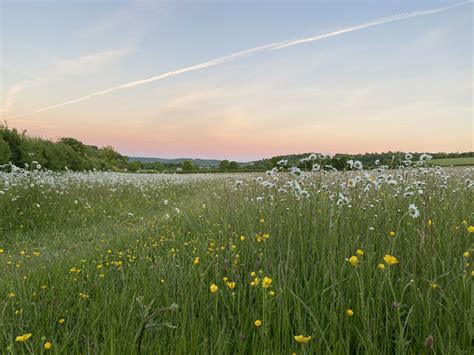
23,150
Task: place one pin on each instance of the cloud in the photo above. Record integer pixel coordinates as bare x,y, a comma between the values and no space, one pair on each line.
20,72
89,63
10,97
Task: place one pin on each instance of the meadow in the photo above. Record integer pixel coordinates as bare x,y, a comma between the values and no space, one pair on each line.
319,262
465,161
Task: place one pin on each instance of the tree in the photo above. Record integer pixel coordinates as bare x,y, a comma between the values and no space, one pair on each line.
5,152
233,165
224,165
187,165
134,166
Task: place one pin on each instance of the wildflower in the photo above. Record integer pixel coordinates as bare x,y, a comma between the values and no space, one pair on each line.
430,222
466,254
23,338
196,260
11,294
472,273
36,253
2,251
359,252
213,288
253,274
349,312
255,282
242,238
47,345
413,211
271,293
390,260
74,270
353,260
267,281
231,285
258,323
381,266
391,233
83,296
224,279
61,321
302,339
434,285
470,229
262,221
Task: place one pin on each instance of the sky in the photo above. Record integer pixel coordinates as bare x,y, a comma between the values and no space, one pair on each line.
364,81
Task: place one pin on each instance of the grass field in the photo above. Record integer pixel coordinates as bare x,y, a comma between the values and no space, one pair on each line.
453,161
372,262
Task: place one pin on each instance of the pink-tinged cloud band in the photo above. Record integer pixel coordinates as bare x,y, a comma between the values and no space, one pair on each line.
231,57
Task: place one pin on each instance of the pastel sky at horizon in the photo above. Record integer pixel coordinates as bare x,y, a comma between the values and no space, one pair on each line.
405,85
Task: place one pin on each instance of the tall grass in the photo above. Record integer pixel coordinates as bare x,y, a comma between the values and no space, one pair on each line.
115,256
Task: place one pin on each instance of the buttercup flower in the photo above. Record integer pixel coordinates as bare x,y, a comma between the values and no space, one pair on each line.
353,260
390,260
302,339
23,338
266,282
213,288
258,323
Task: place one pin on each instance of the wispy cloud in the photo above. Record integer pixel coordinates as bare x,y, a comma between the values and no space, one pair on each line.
251,51
21,72
89,63
10,96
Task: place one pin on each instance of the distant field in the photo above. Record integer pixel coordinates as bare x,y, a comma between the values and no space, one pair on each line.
453,161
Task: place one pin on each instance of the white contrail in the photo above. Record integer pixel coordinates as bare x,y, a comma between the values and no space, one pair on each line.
267,47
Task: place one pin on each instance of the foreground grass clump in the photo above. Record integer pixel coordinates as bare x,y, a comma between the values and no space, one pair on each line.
354,262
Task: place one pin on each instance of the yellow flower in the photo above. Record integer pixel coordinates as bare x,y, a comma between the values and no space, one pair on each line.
392,233
381,266
258,323
231,285
2,251
23,338
242,238
253,274
434,285
11,294
470,229
359,252
353,260
430,222
224,279
302,339
390,260
255,282
47,345
83,296
266,282
213,288
349,312
465,254
36,253
196,260
472,273
271,293
262,221
61,321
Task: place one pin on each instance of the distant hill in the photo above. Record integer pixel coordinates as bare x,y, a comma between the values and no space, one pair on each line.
178,161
